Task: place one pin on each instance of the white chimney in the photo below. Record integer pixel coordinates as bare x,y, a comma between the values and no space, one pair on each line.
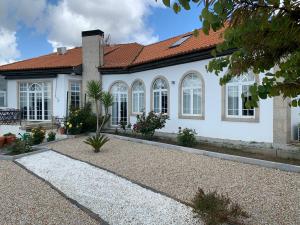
61,50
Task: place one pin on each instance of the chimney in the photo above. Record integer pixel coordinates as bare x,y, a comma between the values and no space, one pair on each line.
92,57
61,50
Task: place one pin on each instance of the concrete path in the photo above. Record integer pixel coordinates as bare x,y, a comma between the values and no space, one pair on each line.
115,199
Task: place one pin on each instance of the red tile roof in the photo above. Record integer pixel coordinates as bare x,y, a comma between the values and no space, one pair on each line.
122,55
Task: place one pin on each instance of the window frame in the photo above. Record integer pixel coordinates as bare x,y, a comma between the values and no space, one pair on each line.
119,97
4,92
46,92
70,92
240,117
182,115
160,91
139,102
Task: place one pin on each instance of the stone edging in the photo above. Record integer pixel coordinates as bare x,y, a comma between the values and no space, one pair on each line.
13,157
252,161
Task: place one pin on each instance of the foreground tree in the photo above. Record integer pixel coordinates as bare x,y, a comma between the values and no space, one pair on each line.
95,92
265,35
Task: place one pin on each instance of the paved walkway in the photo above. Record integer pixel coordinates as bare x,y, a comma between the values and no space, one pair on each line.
115,199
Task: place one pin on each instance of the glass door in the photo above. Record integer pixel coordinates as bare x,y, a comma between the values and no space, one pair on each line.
35,101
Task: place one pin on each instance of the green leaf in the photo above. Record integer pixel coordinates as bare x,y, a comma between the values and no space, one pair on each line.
167,3
176,8
294,103
185,4
218,7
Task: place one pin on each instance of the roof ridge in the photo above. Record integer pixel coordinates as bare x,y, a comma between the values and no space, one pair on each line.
137,55
172,37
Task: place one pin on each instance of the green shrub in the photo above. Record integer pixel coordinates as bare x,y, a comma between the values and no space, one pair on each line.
216,209
51,136
38,135
81,120
186,137
19,147
96,142
146,125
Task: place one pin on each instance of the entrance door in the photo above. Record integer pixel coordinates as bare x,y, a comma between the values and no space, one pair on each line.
119,107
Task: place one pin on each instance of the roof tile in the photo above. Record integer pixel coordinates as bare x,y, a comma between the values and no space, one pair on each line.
122,55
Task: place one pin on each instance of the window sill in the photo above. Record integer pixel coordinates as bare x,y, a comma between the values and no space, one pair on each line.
191,117
241,119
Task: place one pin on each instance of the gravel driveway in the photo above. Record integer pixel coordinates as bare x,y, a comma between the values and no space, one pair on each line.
117,200
270,196
24,199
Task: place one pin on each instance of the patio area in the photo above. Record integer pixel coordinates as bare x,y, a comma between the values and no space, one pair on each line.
270,196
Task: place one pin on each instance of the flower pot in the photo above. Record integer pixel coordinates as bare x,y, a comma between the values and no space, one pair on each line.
10,139
62,130
2,141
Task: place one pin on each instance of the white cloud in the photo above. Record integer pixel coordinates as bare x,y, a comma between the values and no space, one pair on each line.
63,22
123,20
8,46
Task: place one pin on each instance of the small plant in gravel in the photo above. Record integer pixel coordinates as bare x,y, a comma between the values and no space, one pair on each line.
51,136
186,137
217,209
96,142
20,146
146,125
38,135
123,125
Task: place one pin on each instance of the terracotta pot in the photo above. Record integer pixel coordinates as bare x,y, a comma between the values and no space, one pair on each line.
62,130
2,141
10,139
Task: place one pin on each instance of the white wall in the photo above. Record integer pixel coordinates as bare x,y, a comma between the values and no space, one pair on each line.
212,126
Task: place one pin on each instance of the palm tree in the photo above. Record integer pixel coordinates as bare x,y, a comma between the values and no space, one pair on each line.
107,101
94,91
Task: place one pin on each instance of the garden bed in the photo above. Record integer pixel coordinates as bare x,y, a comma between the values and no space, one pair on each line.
270,196
202,145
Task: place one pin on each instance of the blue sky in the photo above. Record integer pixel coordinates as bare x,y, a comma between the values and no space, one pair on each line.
59,22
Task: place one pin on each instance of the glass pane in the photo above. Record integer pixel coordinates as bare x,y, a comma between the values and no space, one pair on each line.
31,106
164,102
135,102
233,101
160,84
115,110
75,95
156,102
2,99
141,101
186,101
3,84
247,96
123,108
197,101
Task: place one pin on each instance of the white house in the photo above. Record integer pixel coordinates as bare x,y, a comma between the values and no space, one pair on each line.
168,77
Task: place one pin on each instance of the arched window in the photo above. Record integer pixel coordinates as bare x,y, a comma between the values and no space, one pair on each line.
237,87
119,108
160,96
191,92
138,97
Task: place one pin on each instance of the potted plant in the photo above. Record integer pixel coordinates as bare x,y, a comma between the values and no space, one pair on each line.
2,141
9,138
